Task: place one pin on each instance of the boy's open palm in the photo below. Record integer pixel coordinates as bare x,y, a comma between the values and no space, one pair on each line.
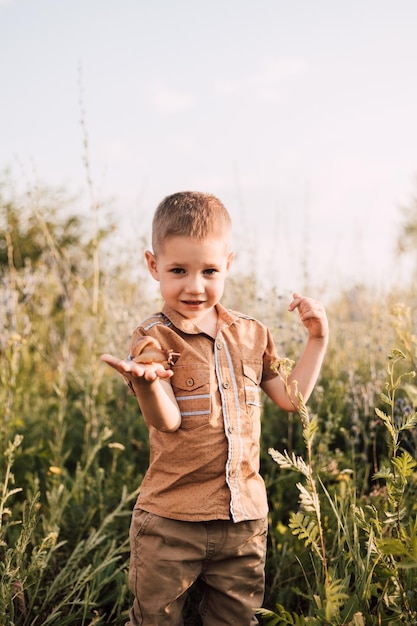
312,315
131,369
147,361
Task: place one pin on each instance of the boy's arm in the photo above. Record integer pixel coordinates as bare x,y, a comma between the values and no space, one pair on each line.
153,391
306,372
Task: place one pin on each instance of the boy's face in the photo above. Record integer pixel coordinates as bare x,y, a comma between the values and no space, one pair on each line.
191,274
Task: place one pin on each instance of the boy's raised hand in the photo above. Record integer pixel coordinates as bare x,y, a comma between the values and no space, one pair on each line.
312,315
131,369
147,360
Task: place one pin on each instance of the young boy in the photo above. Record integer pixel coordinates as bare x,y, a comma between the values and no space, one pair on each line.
202,509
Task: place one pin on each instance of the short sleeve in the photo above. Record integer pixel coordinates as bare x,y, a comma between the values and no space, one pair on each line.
270,358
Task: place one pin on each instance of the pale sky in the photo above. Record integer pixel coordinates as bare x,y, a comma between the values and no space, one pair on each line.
299,114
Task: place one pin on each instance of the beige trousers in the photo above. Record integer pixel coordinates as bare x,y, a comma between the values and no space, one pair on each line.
168,556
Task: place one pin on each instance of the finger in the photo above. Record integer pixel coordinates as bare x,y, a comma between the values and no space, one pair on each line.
153,371
165,373
109,359
297,299
123,367
114,362
131,369
309,308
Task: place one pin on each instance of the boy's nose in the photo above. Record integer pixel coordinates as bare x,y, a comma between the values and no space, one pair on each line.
195,284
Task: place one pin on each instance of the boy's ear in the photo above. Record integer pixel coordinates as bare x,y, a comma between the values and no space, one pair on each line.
230,260
151,262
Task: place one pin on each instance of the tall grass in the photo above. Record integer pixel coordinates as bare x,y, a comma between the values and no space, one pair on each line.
362,552
340,475
64,509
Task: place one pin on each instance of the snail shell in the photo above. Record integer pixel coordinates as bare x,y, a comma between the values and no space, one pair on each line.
148,350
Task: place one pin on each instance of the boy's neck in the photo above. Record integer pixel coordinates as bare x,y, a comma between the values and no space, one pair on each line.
208,323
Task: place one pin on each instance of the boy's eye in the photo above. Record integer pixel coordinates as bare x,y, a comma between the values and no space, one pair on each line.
177,270
210,271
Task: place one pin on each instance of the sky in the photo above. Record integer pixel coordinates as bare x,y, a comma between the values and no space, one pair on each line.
300,115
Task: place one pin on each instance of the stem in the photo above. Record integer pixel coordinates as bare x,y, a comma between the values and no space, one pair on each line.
12,366
317,510
301,409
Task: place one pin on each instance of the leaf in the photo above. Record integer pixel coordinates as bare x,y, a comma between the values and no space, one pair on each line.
283,459
408,422
393,547
12,492
394,516
286,461
385,398
336,596
281,618
388,423
269,618
383,416
384,473
396,353
308,429
308,500
311,427
305,528
405,464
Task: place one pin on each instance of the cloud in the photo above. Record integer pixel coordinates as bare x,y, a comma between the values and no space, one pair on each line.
169,101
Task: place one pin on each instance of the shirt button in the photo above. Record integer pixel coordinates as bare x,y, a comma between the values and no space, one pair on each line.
218,345
189,382
226,385
231,429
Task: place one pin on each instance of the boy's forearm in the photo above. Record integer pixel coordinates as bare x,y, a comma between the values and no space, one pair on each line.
157,404
307,370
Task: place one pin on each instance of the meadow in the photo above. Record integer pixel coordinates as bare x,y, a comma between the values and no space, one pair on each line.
341,472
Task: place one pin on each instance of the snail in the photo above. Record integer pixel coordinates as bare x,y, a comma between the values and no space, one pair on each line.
148,350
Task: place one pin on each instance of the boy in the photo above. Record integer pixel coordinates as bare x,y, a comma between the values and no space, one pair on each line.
202,509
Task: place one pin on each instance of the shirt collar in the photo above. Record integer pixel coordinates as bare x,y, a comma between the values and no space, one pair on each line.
225,316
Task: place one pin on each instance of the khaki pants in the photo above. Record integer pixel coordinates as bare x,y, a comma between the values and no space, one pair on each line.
168,556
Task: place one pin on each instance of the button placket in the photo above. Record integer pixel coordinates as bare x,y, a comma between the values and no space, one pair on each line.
230,419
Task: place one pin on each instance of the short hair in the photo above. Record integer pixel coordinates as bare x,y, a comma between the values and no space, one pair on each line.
191,214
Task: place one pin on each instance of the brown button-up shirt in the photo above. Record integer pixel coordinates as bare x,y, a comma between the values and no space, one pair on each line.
209,468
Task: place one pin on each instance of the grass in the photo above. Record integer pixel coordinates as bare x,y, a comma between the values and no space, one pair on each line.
340,474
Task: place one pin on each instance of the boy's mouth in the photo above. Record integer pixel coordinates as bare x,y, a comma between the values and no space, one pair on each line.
193,302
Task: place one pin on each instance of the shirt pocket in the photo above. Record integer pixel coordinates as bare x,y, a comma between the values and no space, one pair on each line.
191,387
252,373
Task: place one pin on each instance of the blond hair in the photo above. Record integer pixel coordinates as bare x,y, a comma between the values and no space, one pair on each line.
190,214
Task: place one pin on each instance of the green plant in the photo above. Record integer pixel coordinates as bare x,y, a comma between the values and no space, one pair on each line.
330,593
363,558
45,579
70,290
